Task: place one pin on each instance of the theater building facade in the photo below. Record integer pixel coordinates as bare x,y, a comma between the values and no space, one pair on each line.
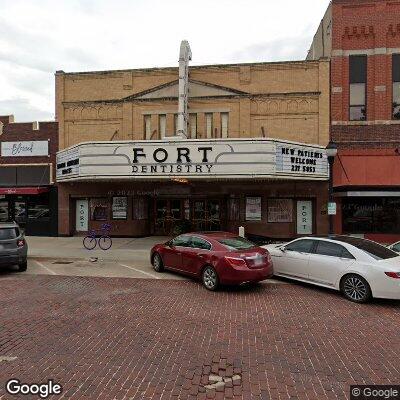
254,155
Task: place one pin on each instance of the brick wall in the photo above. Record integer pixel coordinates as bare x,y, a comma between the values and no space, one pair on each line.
366,136
372,28
23,131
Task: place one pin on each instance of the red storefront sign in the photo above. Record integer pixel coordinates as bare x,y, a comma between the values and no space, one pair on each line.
24,190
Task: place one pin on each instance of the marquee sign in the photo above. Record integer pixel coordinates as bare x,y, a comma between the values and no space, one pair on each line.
25,149
300,159
194,159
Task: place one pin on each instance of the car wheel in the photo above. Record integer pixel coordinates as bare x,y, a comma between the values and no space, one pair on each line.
158,264
355,288
210,278
23,266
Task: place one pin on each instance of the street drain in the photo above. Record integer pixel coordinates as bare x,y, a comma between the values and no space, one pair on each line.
62,262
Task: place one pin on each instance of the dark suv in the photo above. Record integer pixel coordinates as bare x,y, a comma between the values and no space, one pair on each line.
13,246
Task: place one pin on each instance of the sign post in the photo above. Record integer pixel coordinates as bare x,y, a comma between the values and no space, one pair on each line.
332,208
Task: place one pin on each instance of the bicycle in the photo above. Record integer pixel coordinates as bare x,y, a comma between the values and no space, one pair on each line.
104,241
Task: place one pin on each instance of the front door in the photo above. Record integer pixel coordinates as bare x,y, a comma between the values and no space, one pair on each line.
168,213
329,262
206,215
172,255
295,258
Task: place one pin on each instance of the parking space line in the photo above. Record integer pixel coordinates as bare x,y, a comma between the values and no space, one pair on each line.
138,270
43,266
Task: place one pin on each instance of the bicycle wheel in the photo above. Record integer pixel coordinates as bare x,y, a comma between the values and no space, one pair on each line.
105,242
89,242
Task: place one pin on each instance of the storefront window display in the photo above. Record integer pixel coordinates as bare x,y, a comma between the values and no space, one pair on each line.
280,210
99,209
120,207
371,215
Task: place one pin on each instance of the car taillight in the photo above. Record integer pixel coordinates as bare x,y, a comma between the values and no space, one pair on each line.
395,275
21,243
236,261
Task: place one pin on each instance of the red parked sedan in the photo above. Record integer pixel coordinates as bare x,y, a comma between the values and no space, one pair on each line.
215,257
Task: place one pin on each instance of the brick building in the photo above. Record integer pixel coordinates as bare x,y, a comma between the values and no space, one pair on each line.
362,40
28,194
254,156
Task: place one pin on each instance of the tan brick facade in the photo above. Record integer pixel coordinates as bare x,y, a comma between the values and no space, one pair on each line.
288,100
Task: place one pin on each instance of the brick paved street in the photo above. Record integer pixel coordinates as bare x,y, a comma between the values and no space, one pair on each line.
116,338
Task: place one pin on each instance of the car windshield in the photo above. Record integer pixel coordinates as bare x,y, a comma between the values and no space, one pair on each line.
237,243
8,233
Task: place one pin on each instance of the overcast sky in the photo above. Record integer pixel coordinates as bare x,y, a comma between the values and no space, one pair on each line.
38,37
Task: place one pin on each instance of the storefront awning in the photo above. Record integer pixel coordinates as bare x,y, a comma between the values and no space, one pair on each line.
24,190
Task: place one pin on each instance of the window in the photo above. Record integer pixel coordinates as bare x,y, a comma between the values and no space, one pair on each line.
147,126
301,246
332,249
198,243
39,208
182,241
280,210
371,215
140,210
209,125
9,233
175,124
162,122
253,209
358,81
4,211
120,207
99,209
234,209
193,125
237,243
224,124
396,86
396,248
373,249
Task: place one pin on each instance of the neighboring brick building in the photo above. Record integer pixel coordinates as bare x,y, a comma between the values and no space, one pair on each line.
362,40
27,174
246,111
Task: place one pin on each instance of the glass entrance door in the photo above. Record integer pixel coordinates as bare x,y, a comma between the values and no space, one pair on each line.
206,215
214,216
168,213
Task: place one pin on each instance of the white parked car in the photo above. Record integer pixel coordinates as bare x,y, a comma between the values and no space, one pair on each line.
395,247
359,268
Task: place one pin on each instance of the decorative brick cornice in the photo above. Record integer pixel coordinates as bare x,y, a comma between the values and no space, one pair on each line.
358,32
394,30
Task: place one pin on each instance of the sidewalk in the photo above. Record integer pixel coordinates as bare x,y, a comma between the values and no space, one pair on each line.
123,249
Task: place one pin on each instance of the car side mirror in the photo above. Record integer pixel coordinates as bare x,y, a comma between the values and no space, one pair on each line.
282,249
169,243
